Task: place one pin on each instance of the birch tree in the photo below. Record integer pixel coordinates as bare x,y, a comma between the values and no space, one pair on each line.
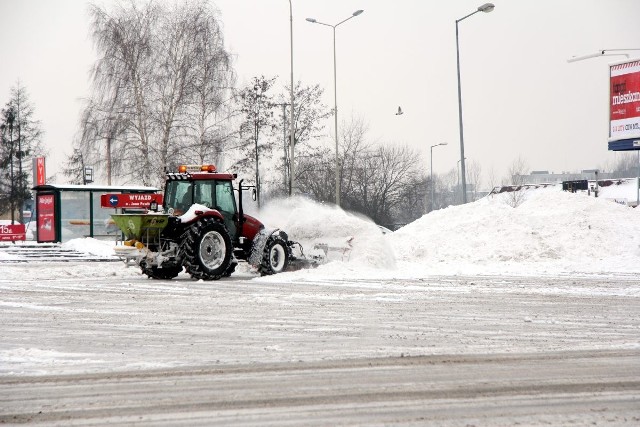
162,76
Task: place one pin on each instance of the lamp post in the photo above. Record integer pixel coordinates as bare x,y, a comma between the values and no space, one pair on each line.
292,136
431,159
458,170
487,7
335,94
286,180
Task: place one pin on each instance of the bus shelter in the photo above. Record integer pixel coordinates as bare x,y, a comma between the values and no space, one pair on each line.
65,212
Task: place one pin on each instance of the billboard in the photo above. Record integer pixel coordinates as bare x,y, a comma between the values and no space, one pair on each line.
624,101
46,218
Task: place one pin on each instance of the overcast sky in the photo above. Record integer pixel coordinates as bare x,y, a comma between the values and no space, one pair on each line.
520,96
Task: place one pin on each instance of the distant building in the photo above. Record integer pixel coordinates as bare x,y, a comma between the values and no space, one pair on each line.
546,177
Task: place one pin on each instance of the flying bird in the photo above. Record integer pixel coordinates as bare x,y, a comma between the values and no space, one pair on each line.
399,111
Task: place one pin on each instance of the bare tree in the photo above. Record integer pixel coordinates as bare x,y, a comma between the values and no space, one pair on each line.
384,182
315,170
626,165
392,169
158,67
412,201
315,174
310,114
210,109
517,172
257,109
123,77
474,177
74,167
101,134
493,179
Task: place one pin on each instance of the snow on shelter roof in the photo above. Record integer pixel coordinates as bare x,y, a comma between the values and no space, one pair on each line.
105,188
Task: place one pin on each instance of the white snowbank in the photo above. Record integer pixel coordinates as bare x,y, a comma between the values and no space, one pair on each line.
91,246
350,238
551,228
8,257
551,232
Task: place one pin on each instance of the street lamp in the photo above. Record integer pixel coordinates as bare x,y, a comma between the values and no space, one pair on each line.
431,157
487,7
458,170
335,94
292,136
603,52
285,180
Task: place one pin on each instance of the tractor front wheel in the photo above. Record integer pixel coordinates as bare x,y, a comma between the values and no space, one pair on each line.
275,258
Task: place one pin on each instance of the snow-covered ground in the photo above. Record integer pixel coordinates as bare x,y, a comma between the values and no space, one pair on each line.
554,280
551,235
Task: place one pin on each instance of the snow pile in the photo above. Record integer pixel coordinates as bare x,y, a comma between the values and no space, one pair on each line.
91,246
8,257
349,237
551,228
624,191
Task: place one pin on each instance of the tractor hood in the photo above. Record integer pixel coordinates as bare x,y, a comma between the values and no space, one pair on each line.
251,227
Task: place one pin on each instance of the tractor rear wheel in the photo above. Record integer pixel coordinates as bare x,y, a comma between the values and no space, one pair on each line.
166,273
275,258
207,250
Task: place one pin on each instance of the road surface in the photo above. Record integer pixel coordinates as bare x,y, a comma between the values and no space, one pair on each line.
98,344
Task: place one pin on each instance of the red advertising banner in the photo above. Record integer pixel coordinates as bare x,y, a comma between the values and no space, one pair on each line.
39,171
46,207
624,100
12,232
129,200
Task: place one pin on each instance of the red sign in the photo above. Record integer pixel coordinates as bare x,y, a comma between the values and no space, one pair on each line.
46,208
129,200
12,232
624,100
39,175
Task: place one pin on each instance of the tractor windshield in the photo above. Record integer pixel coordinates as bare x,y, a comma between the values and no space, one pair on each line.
214,194
178,195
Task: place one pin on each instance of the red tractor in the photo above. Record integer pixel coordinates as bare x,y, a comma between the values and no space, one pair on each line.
203,230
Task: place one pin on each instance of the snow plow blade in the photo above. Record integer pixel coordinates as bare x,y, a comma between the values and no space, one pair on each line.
321,253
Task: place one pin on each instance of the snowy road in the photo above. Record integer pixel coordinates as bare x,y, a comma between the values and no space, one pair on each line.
577,388
98,343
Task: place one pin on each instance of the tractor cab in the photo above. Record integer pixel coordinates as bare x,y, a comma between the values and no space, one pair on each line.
204,186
